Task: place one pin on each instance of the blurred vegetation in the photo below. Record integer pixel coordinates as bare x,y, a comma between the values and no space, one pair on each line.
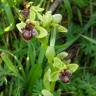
79,16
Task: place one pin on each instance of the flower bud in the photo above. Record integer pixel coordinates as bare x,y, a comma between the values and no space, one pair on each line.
57,18
50,53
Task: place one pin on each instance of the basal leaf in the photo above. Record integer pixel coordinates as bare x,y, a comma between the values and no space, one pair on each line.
33,76
9,63
35,73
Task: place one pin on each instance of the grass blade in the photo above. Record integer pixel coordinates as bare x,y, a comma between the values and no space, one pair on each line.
89,39
9,15
9,63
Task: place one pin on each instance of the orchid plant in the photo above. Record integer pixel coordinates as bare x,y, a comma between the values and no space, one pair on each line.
43,27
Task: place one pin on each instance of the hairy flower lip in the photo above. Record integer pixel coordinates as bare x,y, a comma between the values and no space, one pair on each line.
27,35
28,31
65,76
66,73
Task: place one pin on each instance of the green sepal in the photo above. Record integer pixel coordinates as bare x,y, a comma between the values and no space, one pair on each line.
61,28
72,67
20,26
41,32
59,64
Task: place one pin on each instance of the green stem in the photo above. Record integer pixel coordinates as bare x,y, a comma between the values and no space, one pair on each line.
53,37
52,86
31,52
41,2
31,55
9,15
52,43
41,54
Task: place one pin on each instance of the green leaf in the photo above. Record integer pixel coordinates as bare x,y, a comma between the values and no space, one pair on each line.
89,39
31,52
8,28
72,67
9,63
80,16
9,15
46,93
42,32
1,30
61,28
68,8
59,64
20,26
91,22
81,3
34,74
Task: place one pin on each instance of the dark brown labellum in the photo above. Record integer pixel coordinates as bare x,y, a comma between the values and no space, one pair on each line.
27,35
65,79
67,73
28,32
65,76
